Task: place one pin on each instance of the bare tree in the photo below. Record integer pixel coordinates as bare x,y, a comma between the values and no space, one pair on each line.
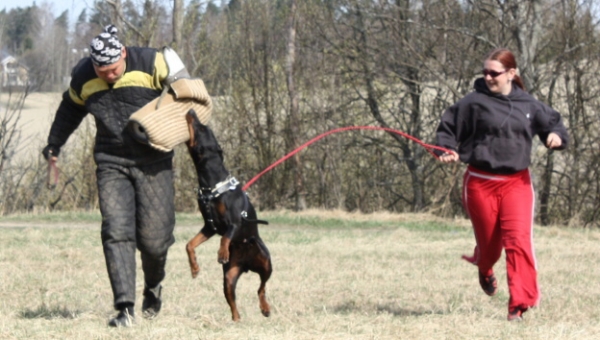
293,119
10,133
394,64
177,25
140,23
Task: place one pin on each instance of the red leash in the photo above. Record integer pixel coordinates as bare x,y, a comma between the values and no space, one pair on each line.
427,147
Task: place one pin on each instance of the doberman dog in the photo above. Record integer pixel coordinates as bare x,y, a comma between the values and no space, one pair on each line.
227,211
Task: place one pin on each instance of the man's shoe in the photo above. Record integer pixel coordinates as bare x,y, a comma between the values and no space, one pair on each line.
488,284
152,301
515,314
125,318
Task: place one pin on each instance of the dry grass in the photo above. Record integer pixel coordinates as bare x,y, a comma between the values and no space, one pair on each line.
35,119
337,276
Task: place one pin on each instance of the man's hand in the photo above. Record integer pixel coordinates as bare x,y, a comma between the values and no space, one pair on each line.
449,157
553,141
51,152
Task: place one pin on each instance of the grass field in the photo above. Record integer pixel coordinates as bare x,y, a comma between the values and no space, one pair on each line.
336,276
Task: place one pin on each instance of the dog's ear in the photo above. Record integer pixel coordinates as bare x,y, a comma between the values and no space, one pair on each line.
190,117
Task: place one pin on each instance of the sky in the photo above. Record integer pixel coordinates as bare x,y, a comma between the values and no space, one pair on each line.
58,6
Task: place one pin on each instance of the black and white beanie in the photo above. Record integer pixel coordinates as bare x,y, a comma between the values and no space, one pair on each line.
105,48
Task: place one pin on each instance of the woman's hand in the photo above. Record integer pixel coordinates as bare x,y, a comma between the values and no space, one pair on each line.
449,157
553,141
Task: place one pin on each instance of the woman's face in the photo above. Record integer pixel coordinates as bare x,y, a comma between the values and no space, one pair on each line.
497,78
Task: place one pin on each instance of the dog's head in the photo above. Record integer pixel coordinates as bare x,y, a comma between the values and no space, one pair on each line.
202,140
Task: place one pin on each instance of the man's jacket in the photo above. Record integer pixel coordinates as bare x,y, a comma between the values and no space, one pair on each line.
112,105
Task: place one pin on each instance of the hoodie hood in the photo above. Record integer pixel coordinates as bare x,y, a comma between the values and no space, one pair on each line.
516,92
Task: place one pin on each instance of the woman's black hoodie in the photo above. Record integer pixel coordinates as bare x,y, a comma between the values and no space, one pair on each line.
494,132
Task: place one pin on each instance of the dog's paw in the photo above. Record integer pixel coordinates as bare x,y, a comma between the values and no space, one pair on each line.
265,309
223,256
195,272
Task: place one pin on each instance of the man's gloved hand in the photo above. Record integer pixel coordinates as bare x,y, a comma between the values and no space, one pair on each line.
50,151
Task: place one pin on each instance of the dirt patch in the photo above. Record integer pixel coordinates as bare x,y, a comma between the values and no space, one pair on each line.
35,120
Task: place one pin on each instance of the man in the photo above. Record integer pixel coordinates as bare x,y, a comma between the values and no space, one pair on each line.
135,181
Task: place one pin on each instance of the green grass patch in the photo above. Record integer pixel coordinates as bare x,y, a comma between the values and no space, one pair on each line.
282,218
86,216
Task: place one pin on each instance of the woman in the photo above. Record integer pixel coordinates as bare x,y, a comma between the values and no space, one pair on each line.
492,130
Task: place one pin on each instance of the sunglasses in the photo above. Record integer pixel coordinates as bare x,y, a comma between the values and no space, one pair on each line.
491,73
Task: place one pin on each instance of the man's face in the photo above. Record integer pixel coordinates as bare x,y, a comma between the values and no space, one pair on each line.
113,72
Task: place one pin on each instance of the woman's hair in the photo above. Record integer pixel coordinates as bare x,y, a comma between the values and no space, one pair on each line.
507,59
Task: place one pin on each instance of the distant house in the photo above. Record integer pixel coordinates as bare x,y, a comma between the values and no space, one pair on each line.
13,75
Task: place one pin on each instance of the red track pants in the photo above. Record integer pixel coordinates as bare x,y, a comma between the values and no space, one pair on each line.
501,210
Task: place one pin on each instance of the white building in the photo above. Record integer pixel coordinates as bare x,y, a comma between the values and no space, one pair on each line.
12,74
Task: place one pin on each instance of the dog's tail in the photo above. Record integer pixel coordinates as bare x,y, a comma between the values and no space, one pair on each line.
254,221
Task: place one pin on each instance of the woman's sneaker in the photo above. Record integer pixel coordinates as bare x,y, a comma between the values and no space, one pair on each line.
516,314
488,284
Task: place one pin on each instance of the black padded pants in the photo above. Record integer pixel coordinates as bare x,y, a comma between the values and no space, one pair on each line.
137,206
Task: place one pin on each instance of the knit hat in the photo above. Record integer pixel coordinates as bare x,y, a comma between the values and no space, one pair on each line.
105,48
